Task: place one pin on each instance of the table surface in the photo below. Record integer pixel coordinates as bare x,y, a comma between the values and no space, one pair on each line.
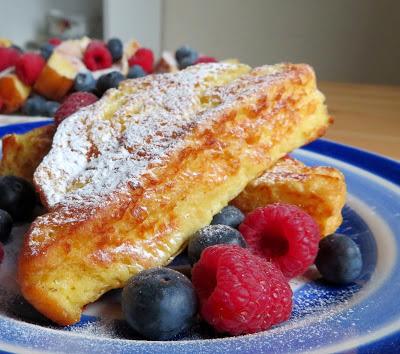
366,116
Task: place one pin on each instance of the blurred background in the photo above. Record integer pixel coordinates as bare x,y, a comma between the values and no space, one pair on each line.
350,41
353,45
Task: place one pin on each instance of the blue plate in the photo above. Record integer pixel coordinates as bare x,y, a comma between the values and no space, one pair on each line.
364,315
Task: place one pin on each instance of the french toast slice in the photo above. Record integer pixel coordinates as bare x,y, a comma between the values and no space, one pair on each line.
130,178
320,191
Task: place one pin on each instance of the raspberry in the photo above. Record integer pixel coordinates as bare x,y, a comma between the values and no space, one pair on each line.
8,57
143,57
239,292
205,59
283,234
97,56
72,103
54,41
28,67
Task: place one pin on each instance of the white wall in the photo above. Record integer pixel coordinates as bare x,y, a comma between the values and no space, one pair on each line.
357,40
139,19
25,20
345,40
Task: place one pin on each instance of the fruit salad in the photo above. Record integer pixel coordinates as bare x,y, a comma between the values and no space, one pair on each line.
35,83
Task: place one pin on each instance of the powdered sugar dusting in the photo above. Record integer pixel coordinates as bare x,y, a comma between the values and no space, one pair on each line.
109,145
100,148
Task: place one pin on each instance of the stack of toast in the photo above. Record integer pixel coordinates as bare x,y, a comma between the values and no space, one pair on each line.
130,178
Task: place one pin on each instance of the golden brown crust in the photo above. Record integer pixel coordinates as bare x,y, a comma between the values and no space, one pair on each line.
320,191
22,153
74,254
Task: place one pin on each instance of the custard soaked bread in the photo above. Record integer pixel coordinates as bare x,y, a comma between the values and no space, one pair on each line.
131,177
320,191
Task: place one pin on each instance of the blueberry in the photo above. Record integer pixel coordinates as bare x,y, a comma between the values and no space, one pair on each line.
46,50
135,71
188,60
213,235
116,48
159,303
34,106
17,48
17,197
339,259
5,225
230,216
51,108
85,82
107,81
185,51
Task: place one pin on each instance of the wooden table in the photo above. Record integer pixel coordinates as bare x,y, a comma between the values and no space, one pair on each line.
366,116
